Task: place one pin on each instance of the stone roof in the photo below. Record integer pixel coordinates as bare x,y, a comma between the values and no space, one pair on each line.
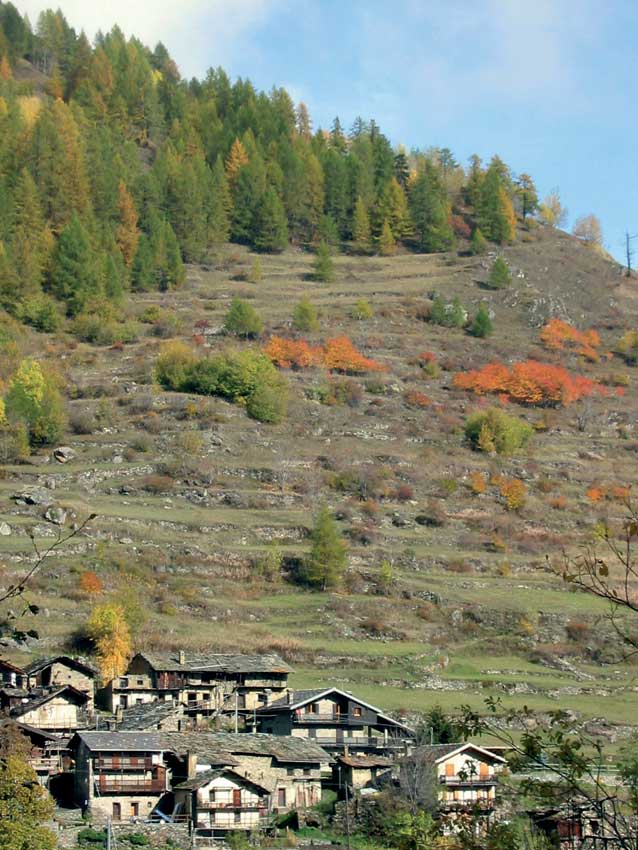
148,715
280,747
74,663
218,748
216,662
105,742
41,699
202,779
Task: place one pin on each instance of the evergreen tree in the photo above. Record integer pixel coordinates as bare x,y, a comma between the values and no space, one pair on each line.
360,228
219,204
304,316
478,243
74,275
430,211
327,231
323,267
399,213
402,169
9,284
437,311
475,182
142,276
325,564
248,191
271,227
500,276
115,276
387,245
481,324
27,243
526,196
255,271
168,268
496,215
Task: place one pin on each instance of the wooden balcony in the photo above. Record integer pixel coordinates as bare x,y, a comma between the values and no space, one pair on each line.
469,781
123,763
328,719
128,785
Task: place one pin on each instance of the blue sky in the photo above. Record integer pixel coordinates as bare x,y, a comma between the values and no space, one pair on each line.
549,85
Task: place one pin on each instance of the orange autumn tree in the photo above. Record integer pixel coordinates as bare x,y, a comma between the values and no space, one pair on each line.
289,353
91,583
528,382
127,234
109,631
337,354
558,335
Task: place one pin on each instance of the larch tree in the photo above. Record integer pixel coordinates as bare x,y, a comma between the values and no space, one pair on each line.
74,275
236,159
127,234
27,241
323,266
387,243
271,227
588,230
109,631
361,234
430,211
325,564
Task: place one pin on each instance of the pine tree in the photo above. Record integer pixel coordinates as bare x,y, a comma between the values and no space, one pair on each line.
387,245
248,191
168,268
360,228
328,558
481,324
496,215
243,320
271,227
323,266
399,213
402,169
236,159
74,276
127,234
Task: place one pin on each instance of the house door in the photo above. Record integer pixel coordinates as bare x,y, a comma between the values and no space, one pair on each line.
123,701
135,810
117,811
237,797
339,736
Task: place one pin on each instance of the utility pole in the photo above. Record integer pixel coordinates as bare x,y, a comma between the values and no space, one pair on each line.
236,711
628,240
108,834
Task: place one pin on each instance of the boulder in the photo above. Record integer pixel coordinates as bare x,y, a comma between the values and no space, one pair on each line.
63,454
33,496
5,529
56,515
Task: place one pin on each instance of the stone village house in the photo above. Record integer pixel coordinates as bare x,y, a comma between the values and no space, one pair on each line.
133,774
206,683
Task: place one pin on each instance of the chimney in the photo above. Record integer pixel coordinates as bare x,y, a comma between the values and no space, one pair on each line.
182,657
289,697
191,764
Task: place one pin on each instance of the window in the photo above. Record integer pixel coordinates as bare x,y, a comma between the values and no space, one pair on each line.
139,701
140,681
356,711
306,771
312,708
117,811
262,699
237,817
124,683
281,797
192,697
135,810
290,771
312,732
211,795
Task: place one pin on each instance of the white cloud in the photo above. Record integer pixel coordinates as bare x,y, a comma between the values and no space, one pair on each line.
197,33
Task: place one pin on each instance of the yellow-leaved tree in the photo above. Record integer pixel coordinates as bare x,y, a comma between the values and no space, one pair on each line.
109,631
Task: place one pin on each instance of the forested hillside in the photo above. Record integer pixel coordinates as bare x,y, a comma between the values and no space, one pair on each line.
115,171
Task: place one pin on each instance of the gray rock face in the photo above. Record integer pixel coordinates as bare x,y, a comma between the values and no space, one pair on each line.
5,529
33,496
63,454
